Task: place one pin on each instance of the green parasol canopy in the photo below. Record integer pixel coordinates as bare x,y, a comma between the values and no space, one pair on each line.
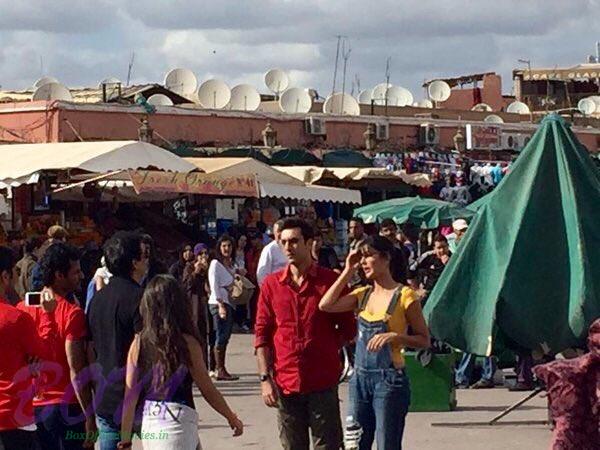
294,157
346,158
480,202
527,274
422,212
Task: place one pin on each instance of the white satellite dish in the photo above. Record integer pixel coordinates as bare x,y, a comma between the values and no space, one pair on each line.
244,97
214,94
277,81
365,96
52,91
493,118
587,106
44,80
160,100
518,108
426,103
482,107
439,91
295,100
399,96
341,104
181,81
379,93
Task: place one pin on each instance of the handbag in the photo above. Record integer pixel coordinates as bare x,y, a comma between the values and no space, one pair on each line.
240,290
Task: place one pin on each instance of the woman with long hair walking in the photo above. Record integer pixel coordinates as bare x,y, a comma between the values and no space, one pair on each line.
379,388
221,276
163,363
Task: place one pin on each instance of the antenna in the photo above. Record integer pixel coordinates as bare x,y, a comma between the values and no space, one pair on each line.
341,104
439,91
52,91
387,80
295,100
244,97
337,58
493,118
380,93
160,100
181,81
41,66
399,96
214,94
277,81
518,108
345,55
44,80
483,107
365,97
130,68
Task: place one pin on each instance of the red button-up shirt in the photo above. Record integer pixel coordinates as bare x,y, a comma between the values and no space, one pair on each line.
304,341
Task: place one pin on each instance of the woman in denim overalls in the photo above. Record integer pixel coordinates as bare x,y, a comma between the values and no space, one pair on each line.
379,389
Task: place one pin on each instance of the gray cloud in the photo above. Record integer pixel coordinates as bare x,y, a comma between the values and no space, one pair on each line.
83,42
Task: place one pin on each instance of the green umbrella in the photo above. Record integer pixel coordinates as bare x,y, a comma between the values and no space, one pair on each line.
479,202
527,273
294,157
346,158
422,212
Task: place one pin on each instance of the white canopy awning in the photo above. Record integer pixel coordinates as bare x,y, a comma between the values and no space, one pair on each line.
313,193
20,161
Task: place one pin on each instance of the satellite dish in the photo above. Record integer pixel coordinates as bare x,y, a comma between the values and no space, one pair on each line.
484,107
493,118
341,104
518,108
295,100
379,93
587,106
160,100
44,80
399,96
365,97
426,103
181,81
277,81
439,91
52,91
244,97
214,94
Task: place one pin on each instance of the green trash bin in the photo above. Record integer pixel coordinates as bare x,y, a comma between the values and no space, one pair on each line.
432,387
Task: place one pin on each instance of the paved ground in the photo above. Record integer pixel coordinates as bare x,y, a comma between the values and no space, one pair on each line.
261,429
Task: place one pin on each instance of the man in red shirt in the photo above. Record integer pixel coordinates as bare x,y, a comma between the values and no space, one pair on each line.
63,401
19,342
297,346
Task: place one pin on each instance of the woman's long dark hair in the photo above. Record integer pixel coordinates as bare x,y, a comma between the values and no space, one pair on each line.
218,255
397,261
167,318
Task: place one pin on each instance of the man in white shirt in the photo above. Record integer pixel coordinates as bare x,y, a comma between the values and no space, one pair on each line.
272,258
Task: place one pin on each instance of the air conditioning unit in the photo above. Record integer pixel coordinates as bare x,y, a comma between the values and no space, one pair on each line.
429,134
315,126
382,131
514,141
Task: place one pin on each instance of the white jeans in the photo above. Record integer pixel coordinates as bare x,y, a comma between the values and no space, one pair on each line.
168,425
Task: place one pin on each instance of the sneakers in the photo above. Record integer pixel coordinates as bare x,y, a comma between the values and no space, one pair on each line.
483,384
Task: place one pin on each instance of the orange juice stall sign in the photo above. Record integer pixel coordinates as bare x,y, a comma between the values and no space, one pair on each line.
193,183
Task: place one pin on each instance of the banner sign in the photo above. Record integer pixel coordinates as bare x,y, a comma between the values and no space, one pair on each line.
194,183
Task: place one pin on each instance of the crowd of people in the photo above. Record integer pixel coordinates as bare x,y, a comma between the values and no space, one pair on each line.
116,351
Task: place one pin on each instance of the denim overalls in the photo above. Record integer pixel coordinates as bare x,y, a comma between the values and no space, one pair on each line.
379,393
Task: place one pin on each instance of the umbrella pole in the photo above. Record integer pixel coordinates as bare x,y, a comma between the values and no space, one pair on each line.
516,405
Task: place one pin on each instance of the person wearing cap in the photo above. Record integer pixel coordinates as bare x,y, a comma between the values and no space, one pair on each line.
459,228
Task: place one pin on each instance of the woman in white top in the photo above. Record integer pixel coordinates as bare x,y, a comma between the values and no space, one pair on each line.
240,252
221,274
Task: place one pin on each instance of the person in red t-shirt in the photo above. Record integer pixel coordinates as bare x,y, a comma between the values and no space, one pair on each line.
297,345
19,343
63,401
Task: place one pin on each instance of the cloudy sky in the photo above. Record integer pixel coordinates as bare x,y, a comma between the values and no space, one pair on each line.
83,41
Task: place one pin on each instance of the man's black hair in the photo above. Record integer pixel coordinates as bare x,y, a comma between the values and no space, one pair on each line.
440,238
121,251
388,223
357,220
7,260
305,228
32,244
57,258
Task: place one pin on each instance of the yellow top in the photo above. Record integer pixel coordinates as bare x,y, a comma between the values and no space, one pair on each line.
397,323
